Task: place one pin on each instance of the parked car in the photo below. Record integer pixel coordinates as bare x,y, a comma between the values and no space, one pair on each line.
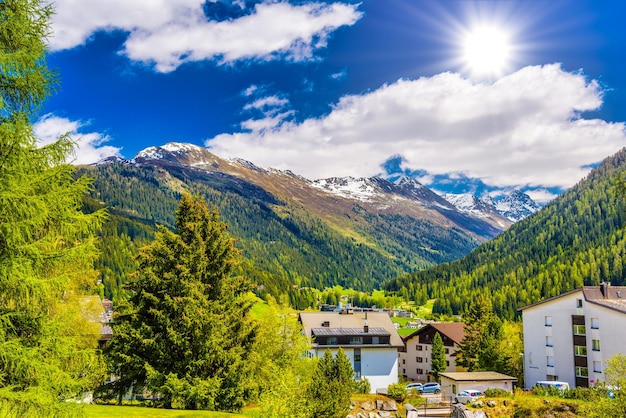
414,387
467,396
431,387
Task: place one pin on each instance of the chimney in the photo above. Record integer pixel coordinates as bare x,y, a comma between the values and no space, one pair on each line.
365,327
604,287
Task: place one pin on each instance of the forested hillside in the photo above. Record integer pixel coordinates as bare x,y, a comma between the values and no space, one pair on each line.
282,241
578,239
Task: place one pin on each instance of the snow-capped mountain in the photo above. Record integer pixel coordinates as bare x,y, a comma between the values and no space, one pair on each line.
514,206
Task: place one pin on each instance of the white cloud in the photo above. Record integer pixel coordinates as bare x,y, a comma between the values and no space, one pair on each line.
168,33
89,146
524,129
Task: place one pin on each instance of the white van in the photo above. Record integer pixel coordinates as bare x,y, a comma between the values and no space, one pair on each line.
553,384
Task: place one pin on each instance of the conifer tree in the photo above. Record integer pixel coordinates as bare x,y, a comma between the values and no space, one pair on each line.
328,395
47,244
185,332
438,356
483,333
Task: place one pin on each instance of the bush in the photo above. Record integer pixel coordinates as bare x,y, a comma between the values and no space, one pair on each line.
396,391
498,393
362,386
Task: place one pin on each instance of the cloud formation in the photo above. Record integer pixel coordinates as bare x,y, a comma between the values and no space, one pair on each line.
525,129
89,146
169,33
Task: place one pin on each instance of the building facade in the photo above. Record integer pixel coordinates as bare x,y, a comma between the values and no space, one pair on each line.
455,382
414,357
369,340
569,337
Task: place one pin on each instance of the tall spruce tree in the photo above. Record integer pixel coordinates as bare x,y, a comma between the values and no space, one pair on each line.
185,332
479,349
438,356
47,244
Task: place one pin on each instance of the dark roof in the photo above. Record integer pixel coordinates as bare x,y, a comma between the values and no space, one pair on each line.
350,331
350,321
611,297
453,330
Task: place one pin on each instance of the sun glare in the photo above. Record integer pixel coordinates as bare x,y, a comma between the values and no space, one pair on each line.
486,51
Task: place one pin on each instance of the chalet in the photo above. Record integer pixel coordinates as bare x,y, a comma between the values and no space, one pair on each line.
368,339
569,337
415,355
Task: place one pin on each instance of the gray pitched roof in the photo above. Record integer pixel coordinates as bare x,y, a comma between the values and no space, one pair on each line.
379,324
611,297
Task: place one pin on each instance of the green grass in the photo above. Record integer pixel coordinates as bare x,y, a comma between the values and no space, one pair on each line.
112,411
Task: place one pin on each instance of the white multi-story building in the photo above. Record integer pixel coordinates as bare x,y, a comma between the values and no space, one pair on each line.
368,339
415,356
569,337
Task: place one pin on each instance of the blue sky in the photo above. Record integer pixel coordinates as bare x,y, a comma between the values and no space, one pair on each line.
501,94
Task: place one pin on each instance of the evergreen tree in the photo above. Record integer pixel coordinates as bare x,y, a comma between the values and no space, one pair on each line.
185,332
438,357
483,333
47,244
332,384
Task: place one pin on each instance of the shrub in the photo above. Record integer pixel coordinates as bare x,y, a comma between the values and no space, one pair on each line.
498,393
362,386
396,391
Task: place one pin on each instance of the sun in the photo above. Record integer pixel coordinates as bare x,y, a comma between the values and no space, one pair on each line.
487,51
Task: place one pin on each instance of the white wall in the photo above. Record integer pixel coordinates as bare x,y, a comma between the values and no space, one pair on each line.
379,365
610,334
408,360
535,331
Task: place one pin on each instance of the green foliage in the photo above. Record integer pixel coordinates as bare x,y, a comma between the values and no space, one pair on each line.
577,239
328,395
185,332
497,393
362,386
279,366
479,349
397,391
615,379
438,356
47,244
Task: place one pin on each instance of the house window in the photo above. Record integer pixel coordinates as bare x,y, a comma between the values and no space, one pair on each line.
447,363
331,341
420,371
548,321
419,348
579,330
404,371
403,361
580,350
357,357
356,340
579,303
549,342
582,372
447,351
550,361
595,324
597,367
419,359
595,345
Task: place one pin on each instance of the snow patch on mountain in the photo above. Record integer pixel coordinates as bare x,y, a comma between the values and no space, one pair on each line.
514,207
349,187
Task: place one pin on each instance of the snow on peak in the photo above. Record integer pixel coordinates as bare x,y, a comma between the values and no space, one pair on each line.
349,187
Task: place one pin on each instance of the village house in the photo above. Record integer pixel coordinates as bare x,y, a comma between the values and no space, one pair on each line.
368,339
569,337
415,355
